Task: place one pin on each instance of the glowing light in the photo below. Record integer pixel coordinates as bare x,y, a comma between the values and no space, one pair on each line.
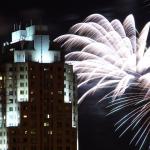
25,116
110,54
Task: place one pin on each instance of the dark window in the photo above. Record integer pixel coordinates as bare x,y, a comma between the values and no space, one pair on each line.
10,69
67,148
10,92
21,92
10,100
21,68
21,76
21,84
59,124
59,148
59,69
14,148
24,139
14,140
10,108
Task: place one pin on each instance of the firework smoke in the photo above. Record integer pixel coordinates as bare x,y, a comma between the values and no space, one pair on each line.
111,54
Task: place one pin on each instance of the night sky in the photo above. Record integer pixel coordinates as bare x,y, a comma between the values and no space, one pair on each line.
96,132
62,14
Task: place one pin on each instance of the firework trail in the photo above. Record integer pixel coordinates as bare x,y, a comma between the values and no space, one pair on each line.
111,54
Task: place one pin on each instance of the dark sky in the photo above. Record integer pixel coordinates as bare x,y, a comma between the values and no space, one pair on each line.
62,14
96,132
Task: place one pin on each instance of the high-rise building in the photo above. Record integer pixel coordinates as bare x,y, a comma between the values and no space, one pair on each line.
38,109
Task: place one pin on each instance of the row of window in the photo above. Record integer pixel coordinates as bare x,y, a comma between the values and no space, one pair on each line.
2,133
22,76
22,92
3,141
21,68
13,108
22,84
35,148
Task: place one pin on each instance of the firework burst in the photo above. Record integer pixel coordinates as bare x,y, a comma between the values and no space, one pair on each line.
111,54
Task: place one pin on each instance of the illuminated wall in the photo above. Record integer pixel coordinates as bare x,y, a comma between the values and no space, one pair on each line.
3,138
16,82
70,95
1,98
3,129
18,35
41,51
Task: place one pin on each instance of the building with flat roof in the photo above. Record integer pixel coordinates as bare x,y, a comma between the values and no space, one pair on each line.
38,106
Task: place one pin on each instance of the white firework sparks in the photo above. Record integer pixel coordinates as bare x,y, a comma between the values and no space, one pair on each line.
110,53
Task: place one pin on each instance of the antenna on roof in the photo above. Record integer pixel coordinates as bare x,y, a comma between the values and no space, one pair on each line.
31,22
20,26
14,27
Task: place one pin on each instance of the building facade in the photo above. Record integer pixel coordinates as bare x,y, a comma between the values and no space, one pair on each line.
38,109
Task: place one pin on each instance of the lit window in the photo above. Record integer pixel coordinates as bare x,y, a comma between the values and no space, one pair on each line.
33,132
32,92
11,49
48,116
33,76
46,124
60,92
10,77
1,77
45,69
51,76
25,116
25,132
50,132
